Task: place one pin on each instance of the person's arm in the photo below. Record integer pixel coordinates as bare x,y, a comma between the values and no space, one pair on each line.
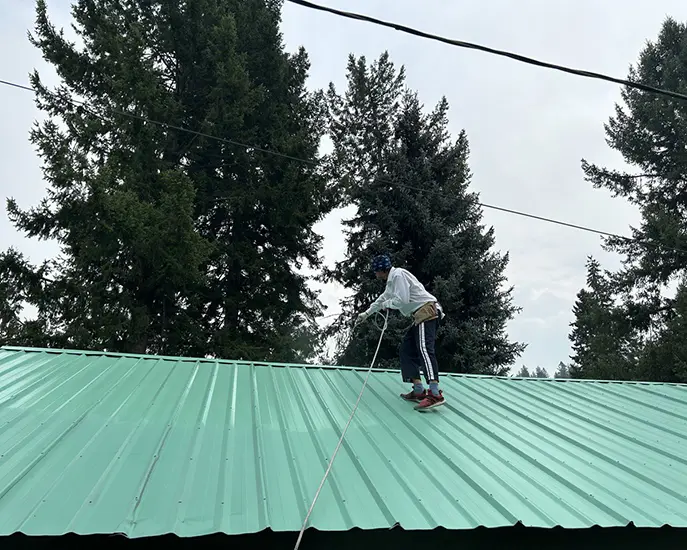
399,295
377,304
397,292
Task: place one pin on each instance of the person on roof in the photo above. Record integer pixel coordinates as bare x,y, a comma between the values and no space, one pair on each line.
407,295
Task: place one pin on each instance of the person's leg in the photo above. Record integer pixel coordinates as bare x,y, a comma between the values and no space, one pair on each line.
411,366
427,333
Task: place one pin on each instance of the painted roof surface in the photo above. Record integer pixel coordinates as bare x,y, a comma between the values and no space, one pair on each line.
94,443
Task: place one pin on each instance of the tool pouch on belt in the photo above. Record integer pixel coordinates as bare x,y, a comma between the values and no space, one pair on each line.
427,312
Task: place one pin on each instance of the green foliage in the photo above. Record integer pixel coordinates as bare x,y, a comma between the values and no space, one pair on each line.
173,242
524,372
541,373
603,347
21,284
664,356
622,326
410,184
563,371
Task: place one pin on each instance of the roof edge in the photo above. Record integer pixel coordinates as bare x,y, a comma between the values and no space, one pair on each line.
183,359
319,366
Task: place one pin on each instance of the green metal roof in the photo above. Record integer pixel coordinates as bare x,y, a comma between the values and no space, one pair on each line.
97,443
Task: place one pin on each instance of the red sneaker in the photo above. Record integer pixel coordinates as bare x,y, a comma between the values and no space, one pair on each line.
431,401
412,396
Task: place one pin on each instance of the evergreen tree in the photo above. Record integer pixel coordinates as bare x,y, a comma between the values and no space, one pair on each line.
21,284
410,184
602,343
664,355
174,242
524,372
541,373
650,132
362,129
563,371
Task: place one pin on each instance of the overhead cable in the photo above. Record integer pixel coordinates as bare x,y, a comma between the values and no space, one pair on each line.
379,179
493,51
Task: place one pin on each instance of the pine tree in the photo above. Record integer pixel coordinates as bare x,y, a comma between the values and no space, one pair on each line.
540,373
362,129
664,355
173,242
524,372
410,184
563,371
21,284
601,336
650,131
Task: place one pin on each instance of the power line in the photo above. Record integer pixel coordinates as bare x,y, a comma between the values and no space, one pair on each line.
547,220
170,126
502,53
533,216
379,179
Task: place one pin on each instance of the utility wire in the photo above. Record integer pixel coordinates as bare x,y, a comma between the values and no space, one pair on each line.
531,216
502,53
165,125
379,179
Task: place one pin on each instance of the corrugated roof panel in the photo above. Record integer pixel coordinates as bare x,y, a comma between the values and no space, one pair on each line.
94,443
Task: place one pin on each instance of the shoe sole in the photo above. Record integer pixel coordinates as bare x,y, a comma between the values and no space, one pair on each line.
412,400
423,409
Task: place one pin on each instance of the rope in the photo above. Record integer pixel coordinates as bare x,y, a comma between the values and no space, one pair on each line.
343,434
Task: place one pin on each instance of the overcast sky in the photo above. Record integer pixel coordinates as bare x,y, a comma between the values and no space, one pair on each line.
528,127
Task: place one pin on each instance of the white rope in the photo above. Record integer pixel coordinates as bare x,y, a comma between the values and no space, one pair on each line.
343,434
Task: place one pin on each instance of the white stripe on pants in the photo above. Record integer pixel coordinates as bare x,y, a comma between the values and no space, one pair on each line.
424,353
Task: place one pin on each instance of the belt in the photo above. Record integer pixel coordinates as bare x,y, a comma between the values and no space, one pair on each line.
437,304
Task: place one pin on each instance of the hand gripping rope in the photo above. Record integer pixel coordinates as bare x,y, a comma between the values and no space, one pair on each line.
382,329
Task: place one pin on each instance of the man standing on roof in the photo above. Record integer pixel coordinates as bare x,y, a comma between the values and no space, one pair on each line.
406,294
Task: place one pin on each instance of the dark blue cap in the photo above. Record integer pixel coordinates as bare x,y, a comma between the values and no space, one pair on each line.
381,263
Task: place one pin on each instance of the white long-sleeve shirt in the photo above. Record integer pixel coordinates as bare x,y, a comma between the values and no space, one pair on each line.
403,292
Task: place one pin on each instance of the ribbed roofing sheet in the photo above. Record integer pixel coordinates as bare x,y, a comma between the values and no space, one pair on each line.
94,443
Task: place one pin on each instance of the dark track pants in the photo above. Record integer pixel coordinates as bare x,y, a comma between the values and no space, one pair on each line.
417,352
